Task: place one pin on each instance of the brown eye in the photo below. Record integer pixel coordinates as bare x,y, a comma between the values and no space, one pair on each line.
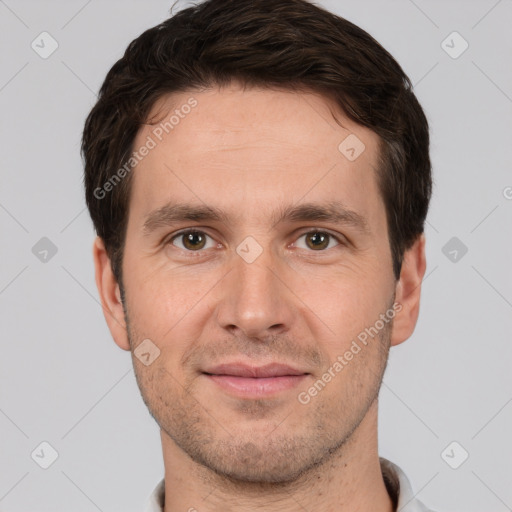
319,240
191,240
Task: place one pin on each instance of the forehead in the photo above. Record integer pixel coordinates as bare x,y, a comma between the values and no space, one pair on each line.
254,114
253,147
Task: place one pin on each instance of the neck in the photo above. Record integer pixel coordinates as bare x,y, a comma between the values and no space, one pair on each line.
349,480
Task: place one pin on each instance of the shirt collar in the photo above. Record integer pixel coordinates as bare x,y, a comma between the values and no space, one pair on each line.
399,488
397,484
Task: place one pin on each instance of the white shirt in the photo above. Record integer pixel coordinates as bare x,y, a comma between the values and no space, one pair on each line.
396,481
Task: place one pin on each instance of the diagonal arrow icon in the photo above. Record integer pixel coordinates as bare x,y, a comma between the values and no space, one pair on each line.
44,455
249,249
451,45
147,352
41,45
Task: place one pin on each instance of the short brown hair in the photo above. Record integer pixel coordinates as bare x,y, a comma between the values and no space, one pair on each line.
290,44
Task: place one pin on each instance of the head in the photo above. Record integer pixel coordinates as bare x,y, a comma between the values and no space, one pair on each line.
292,145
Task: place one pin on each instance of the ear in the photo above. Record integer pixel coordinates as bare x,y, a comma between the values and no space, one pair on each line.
408,290
110,295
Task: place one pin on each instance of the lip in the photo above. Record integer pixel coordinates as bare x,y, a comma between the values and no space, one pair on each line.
245,381
244,370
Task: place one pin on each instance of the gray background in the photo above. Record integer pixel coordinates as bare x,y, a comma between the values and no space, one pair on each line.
64,381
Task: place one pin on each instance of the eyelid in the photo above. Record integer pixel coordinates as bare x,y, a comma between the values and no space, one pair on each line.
338,236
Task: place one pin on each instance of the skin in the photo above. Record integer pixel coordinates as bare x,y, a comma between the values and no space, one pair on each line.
250,152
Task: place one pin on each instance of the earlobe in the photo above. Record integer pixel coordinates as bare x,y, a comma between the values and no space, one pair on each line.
408,291
110,295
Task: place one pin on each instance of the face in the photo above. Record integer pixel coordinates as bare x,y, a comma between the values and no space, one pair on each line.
257,257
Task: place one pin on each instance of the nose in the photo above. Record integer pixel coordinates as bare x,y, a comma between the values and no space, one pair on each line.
256,298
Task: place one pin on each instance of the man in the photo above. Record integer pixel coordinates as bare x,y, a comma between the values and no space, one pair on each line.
258,175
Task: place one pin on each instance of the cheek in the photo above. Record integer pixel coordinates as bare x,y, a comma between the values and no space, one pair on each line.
344,303
168,307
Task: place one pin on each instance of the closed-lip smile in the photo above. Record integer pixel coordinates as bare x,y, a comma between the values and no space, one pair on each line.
250,381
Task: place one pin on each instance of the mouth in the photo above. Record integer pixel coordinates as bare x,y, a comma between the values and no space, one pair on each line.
255,381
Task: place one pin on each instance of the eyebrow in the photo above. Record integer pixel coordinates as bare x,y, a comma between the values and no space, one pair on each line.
332,212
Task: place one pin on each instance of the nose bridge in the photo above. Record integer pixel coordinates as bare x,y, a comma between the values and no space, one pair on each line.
254,298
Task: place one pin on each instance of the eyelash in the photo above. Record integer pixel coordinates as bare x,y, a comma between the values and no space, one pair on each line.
199,251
